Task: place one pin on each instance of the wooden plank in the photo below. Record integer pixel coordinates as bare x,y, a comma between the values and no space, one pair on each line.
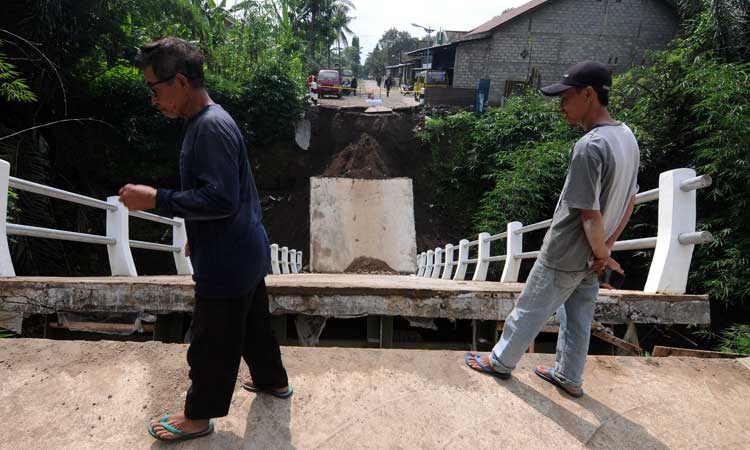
617,342
661,352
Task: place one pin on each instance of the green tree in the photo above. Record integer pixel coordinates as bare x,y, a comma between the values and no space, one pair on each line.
352,56
388,51
13,87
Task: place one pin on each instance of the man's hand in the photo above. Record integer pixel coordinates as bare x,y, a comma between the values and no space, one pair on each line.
599,264
187,249
138,197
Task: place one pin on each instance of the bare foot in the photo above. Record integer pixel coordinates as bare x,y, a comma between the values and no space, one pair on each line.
249,381
485,359
180,422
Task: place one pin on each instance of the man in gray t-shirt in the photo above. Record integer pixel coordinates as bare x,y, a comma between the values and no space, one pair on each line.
602,176
594,207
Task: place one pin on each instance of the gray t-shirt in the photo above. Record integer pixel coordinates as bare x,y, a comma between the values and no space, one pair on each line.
603,175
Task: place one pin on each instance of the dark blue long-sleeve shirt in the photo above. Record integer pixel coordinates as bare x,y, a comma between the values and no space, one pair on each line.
229,248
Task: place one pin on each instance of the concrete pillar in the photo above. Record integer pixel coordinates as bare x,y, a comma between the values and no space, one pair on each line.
120,259
293,261
6,263
480,273
463,256
285,260
514,246
275,267
448,271
669,269
438,263
179,239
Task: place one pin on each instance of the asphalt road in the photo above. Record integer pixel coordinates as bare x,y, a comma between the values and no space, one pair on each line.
366,87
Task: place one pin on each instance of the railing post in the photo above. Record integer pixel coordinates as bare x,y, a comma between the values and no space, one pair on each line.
275,268
299,262
285,260
448,271
483,252
293,260
421,261
463,256
514,246
669,268
120,259
6,263
179,239
438,262
430,264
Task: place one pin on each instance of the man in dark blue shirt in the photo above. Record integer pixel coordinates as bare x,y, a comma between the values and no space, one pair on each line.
228,246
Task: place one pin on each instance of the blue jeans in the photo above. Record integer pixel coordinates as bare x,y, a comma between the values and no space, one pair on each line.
572,295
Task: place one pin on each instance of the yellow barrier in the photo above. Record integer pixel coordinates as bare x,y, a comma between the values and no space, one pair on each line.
342,88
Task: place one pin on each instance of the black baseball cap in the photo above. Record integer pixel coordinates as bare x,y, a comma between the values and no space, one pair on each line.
587,73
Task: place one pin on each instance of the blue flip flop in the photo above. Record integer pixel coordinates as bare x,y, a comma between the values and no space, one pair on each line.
253,388
181,435
484,368
549,375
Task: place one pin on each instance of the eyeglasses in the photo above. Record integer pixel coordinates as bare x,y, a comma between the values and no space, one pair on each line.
151,85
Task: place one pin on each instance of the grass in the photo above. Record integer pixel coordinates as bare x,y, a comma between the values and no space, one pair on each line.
5,333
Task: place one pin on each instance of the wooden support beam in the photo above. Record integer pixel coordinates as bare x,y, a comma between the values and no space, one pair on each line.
279,327
373,331
631,337
661,352
100,327
617,342
386,331
597,330
474,333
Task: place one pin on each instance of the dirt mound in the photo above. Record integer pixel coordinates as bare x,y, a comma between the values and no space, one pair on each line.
363,264
361,159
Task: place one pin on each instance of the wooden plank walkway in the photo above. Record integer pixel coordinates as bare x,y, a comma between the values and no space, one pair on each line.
334,295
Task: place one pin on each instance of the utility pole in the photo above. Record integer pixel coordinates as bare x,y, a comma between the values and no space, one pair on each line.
429,31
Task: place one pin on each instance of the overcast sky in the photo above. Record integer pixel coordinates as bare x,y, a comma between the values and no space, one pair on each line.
374,17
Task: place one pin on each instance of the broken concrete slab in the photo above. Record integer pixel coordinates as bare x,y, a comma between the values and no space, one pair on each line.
335,295
92,395
351,218
378,110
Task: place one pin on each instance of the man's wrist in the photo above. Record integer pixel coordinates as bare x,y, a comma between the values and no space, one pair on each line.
161,198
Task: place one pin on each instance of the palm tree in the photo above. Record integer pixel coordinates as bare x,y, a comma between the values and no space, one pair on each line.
340,24
325,21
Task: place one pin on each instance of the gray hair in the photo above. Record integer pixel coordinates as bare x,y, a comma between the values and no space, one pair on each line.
170,56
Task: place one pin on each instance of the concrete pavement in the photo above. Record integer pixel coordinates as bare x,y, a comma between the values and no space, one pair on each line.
93,395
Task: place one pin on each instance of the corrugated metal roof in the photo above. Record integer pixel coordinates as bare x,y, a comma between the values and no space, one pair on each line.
501,19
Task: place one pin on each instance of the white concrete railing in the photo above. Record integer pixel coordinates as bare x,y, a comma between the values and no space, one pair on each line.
285,261
117,239
673,244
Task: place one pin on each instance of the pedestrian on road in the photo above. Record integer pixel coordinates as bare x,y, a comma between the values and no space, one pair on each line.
378,79
388,84
228,245
310,79
594,207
